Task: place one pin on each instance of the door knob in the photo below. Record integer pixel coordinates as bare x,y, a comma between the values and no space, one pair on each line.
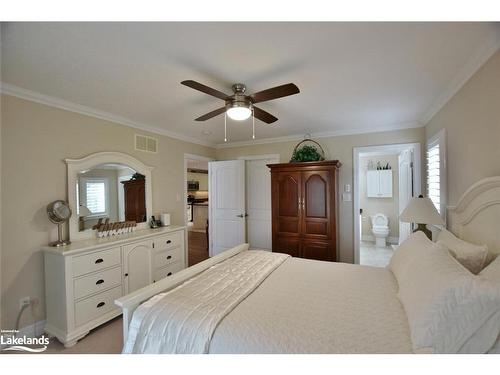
241,215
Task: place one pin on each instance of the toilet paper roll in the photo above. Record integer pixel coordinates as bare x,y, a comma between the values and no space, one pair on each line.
165,219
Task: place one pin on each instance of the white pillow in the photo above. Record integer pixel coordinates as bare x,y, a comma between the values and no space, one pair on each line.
445,304
409,249
490,331
472,257
492,271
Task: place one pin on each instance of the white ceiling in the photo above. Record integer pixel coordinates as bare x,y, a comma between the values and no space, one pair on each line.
353,77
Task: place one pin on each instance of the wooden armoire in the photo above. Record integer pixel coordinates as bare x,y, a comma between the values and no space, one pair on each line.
135,200
305,209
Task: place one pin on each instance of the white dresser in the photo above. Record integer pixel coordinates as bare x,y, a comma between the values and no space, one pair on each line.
82,280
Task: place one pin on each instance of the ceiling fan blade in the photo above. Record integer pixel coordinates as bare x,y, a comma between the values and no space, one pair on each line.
275,93
263,115
209,115
203,88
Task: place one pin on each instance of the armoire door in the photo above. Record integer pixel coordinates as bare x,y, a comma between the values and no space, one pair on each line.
287,212
319,250
316,205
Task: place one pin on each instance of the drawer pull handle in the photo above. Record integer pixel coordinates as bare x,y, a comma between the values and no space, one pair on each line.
169,257
169,241
100,260
169,274
101,304
100,281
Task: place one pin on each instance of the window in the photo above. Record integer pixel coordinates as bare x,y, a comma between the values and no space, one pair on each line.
436,172
94,195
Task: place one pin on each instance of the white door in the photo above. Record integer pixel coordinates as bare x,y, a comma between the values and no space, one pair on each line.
405,160
258,187
137,265
226,204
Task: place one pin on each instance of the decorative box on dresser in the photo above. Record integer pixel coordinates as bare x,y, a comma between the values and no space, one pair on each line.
82,280
305,209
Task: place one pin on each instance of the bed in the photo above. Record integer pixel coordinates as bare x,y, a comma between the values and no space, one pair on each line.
247,301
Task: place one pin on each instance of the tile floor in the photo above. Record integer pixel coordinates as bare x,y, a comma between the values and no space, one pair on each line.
369,255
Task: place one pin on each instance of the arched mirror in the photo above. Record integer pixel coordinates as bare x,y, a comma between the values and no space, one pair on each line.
107,185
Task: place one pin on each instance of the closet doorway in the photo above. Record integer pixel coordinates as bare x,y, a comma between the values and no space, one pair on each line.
240,203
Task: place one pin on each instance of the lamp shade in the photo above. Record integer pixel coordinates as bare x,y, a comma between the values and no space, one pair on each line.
84,211
421,211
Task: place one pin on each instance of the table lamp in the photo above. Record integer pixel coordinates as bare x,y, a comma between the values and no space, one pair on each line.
421,211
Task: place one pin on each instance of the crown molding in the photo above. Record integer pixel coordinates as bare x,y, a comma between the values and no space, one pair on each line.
329,134
19,92
474,63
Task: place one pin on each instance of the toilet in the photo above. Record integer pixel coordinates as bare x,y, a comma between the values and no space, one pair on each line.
380,229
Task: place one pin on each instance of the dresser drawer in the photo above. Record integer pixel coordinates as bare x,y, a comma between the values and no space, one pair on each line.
163,258
94,307
96,282
169,241
96,261
161,273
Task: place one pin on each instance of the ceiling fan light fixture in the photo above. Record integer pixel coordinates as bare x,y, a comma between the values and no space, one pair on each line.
238,111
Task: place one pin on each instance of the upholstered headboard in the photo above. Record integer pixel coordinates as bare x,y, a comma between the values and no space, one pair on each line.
476,216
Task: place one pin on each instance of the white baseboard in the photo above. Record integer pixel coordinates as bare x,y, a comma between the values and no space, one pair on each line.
370,238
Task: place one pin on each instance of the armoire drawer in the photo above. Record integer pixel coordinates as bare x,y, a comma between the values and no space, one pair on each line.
93,283
84,264
163,258
169,241
93,307
161,273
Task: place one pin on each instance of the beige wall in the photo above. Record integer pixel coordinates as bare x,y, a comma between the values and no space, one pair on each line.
472,122
372,206
35,141
340,148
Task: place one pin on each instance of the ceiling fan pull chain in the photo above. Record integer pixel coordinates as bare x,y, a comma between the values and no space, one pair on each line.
225,127
253,125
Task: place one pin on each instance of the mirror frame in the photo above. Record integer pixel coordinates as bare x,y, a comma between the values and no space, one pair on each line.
74,166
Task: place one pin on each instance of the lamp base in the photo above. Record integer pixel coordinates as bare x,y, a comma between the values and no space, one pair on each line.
60,243
423,228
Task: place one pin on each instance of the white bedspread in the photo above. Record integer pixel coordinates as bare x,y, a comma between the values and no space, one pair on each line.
307,306
184,319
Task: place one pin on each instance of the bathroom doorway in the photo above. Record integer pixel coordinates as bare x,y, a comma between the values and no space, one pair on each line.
386,177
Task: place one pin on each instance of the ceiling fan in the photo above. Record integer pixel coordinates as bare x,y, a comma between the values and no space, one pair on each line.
239,106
